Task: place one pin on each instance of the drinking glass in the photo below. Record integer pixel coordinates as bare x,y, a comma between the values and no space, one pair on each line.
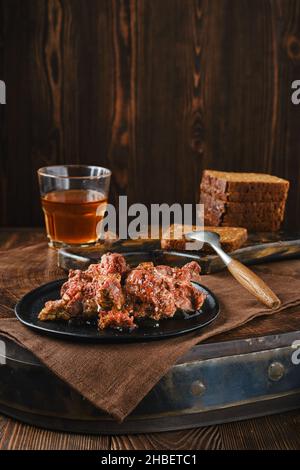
74,199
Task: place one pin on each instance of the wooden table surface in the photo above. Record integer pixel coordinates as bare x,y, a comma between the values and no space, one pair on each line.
280,431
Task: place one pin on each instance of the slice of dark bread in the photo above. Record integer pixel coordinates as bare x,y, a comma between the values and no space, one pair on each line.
244,214
244,187
237,207
258,225
266,223
231,238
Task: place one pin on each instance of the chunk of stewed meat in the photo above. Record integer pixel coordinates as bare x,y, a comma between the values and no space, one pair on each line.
119,295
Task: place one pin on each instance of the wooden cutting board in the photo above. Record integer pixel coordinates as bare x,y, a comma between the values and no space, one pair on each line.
259,248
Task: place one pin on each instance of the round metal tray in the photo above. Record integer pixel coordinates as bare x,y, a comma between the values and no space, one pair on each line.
213,383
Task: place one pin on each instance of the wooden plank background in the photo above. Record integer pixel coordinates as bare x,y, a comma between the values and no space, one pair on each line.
155,90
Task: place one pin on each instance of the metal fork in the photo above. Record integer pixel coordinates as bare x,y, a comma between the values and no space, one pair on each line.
242,274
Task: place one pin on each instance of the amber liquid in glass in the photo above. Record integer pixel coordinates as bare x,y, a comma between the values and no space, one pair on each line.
72,216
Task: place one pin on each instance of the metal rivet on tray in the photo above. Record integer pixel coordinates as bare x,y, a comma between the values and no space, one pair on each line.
276,371
198,388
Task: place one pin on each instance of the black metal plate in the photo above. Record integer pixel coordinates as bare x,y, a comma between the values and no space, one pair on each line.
31,304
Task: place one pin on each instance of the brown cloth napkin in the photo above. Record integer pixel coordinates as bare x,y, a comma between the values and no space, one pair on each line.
115,377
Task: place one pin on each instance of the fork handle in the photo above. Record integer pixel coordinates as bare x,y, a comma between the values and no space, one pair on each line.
253,284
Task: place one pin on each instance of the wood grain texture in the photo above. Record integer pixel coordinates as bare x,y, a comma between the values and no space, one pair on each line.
12,238
18,436
155,90
201,439
278,432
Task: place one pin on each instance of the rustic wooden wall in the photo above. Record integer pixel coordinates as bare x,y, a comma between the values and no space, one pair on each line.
156,90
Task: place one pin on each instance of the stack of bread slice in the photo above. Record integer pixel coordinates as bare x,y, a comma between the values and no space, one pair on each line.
255,201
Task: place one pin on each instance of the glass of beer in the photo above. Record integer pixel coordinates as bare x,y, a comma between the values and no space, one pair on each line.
74,199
